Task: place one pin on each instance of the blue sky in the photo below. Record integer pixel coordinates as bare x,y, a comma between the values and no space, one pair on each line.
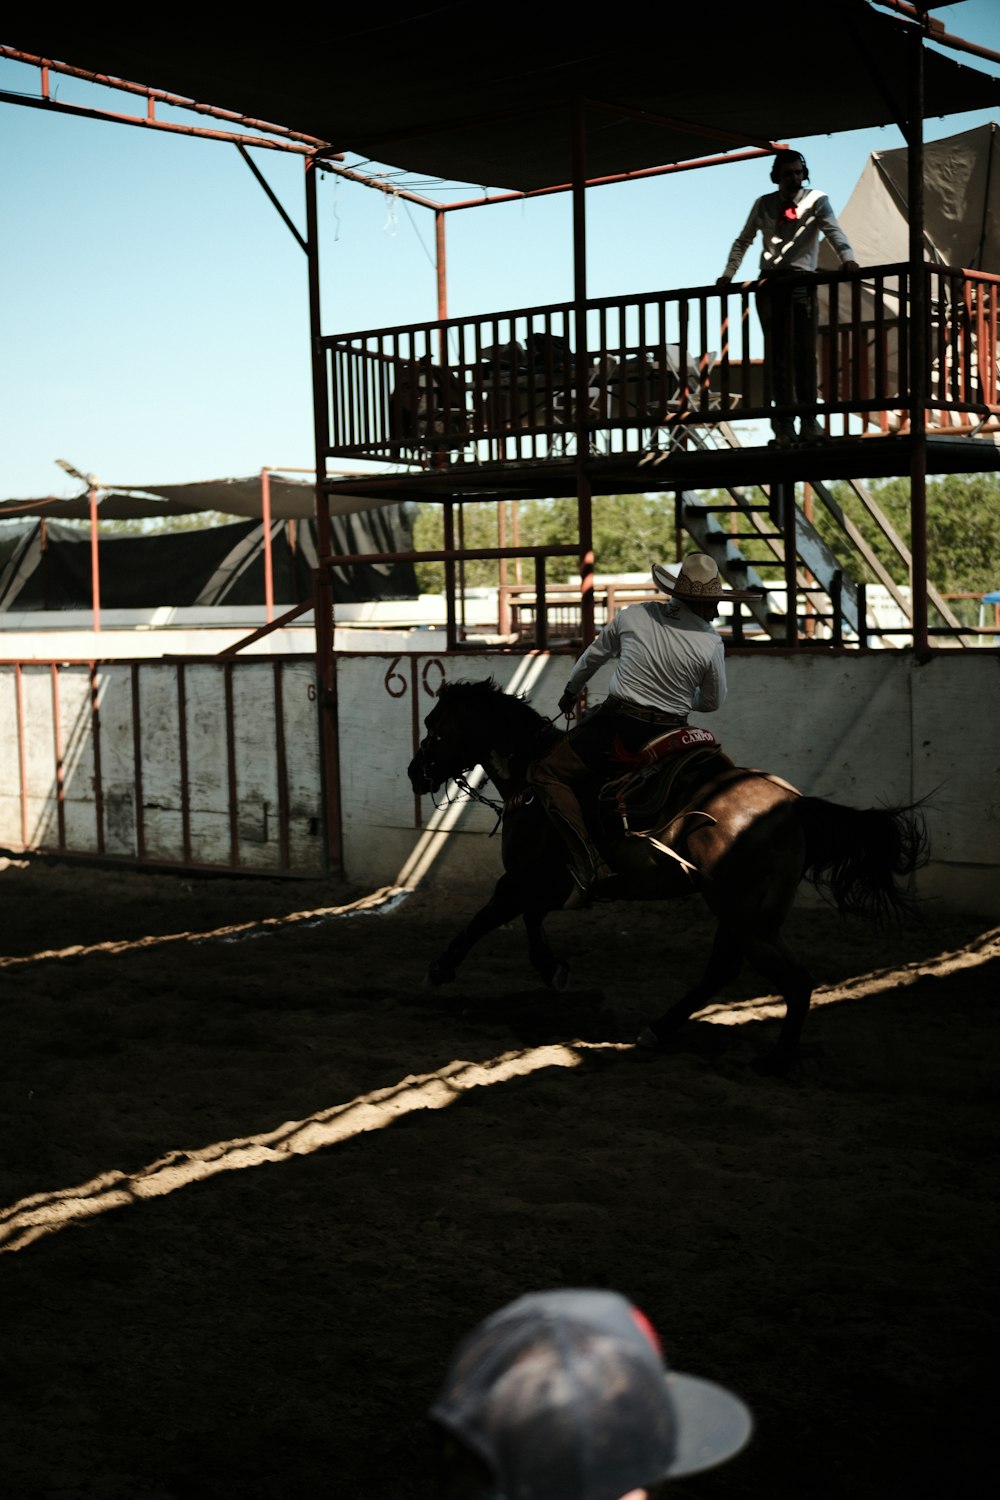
155,325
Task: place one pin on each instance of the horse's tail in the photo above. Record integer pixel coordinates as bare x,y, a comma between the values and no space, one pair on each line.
859,855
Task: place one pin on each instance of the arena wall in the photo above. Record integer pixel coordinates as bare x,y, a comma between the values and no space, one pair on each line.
216,764
199,763
878,728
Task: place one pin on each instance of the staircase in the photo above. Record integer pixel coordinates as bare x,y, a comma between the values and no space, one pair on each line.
826,595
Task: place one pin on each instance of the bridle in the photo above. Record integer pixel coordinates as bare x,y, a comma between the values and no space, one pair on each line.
470,792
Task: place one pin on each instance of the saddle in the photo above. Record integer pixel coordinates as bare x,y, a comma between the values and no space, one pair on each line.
652,798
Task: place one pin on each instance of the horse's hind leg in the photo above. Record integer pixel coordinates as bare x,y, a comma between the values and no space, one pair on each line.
773,961
504,905
724,964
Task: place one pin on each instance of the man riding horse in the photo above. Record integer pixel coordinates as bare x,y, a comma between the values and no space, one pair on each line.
669,661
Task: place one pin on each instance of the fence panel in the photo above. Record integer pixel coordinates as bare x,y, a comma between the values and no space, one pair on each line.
202,764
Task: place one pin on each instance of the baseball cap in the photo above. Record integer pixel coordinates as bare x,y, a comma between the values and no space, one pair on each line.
565,1396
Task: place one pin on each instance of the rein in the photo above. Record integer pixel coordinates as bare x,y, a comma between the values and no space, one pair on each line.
475,795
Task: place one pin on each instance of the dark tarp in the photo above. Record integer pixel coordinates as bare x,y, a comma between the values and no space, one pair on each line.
291,499
429,90
220,565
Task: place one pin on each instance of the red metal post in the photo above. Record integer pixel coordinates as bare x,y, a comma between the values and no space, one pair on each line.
57,751
451,621
265,512
786,509
22,757
503,600
140,817
326,675
919,348
585,530
95,566
281,766
95,735
441,261
182,746
232,788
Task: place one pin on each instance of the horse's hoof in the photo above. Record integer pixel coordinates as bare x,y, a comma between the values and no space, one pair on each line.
649,1041
559,978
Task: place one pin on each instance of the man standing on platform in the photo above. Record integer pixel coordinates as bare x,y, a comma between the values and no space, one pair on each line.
790,222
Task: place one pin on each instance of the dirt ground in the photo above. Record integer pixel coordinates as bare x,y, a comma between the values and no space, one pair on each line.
257,1182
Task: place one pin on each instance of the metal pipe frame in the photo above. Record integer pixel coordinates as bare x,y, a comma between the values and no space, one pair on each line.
265,512
326,672
95,565
918,350
153,96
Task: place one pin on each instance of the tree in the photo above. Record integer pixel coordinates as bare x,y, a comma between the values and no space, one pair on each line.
630,533
963,529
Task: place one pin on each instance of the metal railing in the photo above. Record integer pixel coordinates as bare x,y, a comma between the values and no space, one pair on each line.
510,387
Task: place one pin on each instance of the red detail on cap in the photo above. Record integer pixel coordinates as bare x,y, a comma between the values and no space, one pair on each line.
645,1326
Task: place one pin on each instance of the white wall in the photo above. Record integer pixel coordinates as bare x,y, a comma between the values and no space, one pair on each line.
859,729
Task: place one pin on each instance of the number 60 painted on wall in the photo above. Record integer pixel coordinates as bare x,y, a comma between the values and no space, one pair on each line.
432,677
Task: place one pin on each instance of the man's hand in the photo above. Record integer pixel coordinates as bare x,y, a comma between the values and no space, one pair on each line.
723,280
567,703
851,265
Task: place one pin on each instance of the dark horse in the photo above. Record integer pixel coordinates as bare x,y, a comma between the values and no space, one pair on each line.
745,840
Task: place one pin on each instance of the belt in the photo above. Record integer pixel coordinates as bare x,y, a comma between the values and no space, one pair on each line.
640,711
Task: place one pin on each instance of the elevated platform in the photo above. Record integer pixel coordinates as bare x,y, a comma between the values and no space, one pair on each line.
680,467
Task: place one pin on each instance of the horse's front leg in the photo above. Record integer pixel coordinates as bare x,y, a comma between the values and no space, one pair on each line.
504,905
552,969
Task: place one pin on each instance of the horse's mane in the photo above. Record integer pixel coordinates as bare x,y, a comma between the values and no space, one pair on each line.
512,711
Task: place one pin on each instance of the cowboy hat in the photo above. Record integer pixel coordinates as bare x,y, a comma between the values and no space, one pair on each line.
698,578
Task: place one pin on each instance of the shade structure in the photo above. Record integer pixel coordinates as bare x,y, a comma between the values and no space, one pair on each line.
424,89
216,566
290,499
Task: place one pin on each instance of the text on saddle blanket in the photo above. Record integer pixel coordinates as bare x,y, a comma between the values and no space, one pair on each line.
689,737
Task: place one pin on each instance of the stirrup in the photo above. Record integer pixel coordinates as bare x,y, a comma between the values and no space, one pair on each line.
579,896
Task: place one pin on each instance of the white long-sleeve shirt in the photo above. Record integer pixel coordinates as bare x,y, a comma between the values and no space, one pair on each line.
789,244
668,659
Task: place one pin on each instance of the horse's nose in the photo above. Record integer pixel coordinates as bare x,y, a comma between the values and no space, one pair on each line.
417,772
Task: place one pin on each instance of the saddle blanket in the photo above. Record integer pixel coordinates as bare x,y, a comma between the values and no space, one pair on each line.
689,737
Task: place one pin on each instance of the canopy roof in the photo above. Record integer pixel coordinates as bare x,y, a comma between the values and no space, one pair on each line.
425,89
290,499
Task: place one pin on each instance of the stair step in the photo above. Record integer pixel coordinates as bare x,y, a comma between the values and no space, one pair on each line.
719,538
708,510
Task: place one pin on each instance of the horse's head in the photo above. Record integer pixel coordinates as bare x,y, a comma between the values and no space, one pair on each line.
454,741
474,724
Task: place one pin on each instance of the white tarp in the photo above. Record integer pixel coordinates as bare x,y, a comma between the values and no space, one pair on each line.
961,229
961,204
